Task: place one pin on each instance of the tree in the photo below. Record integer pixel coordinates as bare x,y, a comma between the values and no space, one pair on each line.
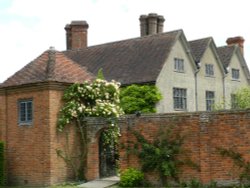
89,99
242,98
143,98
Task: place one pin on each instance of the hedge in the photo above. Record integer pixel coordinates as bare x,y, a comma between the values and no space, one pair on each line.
2,162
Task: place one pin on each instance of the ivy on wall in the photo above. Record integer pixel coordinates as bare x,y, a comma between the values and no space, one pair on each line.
161,155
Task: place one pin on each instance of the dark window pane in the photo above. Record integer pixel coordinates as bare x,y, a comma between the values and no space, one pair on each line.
180,100
25,111
209,100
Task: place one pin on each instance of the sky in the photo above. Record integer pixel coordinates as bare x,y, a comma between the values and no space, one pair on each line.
30,27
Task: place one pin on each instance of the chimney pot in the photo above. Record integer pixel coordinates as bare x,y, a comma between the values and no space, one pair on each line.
236,41
160,25
151,24
143,25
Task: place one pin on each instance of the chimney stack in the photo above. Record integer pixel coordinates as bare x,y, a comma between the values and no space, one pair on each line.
76,35
151,24
236,41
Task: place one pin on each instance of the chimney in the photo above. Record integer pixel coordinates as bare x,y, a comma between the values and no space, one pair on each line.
151,24
143,25
160,25
76,35
236,41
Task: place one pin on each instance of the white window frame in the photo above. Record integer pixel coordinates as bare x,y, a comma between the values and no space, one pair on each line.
209,69
25,112
235,74
210,99
234,104
180,98
179,65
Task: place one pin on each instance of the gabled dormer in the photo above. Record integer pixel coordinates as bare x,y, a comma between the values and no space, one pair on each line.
176,80
210,78
232,57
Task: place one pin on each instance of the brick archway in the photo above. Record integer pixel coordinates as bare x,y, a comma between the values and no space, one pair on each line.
107,156
95,129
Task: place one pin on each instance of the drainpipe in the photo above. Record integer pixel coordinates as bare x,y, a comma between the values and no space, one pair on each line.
224,91
196,86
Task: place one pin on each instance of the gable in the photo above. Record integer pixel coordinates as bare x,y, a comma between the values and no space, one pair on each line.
237,62
211,56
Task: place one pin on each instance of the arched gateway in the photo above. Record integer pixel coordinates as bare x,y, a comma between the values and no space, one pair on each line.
108,156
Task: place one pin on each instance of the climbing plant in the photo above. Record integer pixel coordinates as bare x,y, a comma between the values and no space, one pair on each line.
242,164
99,98
161,155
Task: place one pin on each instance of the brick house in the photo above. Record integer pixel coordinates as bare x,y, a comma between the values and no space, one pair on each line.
185,72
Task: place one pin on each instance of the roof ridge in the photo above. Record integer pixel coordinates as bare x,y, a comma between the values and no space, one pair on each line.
120,41
51,63
205,38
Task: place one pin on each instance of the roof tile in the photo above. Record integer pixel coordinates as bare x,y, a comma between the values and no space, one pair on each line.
137,60
49,66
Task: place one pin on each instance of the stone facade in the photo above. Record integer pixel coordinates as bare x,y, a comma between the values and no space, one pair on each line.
169,78
232,85
214,83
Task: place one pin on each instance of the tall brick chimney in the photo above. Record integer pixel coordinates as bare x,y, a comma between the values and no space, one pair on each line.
151,24
236,41
76,35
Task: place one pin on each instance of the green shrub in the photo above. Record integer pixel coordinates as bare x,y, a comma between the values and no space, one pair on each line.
2,174
139,98
131,178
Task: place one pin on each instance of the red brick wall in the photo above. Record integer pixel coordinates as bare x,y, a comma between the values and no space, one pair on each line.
31,149
28,158
204,132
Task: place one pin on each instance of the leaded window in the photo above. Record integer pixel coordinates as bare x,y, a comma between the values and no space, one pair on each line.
25,111
209,69
234,103
209,100
178,65
180,98
235,74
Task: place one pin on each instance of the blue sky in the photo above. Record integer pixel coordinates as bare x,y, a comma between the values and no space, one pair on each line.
29,27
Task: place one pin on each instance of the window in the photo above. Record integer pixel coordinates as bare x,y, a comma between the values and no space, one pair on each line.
236,74
180,98
178,65
234,104
25,111
209,100
209,70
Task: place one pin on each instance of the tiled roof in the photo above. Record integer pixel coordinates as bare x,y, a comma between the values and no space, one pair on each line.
225,53
198,47
137,60
49,66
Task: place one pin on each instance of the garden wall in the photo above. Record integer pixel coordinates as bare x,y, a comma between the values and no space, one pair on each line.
203,134
32,158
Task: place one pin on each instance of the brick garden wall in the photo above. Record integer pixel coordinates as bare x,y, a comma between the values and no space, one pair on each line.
204,132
